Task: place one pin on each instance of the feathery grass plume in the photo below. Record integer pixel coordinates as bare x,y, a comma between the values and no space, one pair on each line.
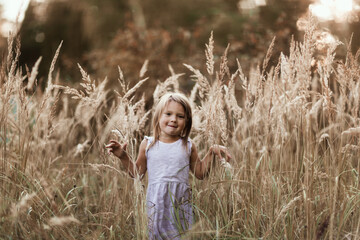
171,69
224,68
325,70
356,100
176,85
301,55
193,93
62,221
204,85
351,131
230,98
346,76
121,80
34,73
260,75
209,53
127,117
243,78
286,69
87,84
312,115
49,86
268,56
133,89
143,120
350,147
20,207
98,167
327,93
81,148
91,100
13,57
10,56
143,69
170,84
213,124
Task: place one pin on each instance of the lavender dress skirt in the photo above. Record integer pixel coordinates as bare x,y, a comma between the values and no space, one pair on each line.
168,193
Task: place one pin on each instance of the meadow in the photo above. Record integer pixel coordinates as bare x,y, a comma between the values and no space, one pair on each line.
293,132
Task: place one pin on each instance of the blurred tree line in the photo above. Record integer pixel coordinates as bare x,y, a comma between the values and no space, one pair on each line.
104,34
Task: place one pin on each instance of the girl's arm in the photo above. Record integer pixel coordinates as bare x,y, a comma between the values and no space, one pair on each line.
201,168
120,151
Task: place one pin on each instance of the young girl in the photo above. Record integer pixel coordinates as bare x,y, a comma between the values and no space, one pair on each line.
168,156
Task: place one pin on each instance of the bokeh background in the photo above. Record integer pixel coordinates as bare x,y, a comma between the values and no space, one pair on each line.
103,34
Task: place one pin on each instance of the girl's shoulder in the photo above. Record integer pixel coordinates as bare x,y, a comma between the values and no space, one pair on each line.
189,141
149,139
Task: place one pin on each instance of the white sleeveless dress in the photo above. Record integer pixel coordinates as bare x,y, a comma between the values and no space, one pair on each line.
168,193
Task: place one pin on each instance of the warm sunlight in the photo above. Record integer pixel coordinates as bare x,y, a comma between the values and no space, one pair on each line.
12,11
337,10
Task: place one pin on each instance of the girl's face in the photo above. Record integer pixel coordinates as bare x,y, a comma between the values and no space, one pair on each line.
172,121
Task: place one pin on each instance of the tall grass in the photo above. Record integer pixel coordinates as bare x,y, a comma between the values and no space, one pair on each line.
294,138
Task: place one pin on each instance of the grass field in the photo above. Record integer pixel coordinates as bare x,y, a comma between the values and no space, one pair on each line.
294,133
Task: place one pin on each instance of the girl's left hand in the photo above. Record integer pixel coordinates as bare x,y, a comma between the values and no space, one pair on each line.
219,150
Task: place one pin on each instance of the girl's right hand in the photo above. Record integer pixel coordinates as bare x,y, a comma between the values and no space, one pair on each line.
219,151
223,154
116,148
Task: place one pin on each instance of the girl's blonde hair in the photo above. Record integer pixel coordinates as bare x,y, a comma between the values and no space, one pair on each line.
163,102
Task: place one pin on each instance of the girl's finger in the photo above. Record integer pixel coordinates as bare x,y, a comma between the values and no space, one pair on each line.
124,146
114,142
224,150
218,153
111,145
228,156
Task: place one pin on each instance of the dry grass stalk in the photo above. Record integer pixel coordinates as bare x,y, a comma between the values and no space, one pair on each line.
62,221
52,67
97,168
281,214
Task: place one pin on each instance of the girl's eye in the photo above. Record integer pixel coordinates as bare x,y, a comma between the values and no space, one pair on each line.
168,114
181,116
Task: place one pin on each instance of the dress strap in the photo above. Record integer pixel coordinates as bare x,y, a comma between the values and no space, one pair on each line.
189,145
149,141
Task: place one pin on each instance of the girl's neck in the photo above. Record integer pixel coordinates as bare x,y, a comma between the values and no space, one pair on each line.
168,139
